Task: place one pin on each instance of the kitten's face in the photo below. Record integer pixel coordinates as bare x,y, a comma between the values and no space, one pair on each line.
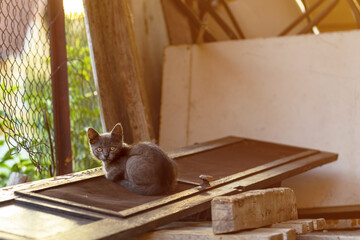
106,146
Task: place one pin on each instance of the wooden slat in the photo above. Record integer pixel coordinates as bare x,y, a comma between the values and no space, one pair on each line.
135,225
332,212
333,235
205,146
332,224
207,234
62,203
8,193
49,207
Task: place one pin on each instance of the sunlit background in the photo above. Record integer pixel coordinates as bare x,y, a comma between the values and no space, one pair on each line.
73,7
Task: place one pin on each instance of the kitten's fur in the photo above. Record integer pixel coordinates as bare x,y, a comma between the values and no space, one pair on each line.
142,168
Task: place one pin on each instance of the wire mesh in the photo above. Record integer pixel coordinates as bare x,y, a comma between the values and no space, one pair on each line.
25,100
26,116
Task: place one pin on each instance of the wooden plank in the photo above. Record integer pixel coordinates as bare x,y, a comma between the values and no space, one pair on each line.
342,224
207,234
39,200
330,235
117,72
300,226
53,208
287,233
8,193
319,223
31,222
143,222
205,146
332,212
252,209
151,38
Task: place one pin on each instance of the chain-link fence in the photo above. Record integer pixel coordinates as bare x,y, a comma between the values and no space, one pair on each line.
26,116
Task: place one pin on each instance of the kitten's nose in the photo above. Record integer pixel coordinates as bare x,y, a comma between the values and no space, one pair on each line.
106,154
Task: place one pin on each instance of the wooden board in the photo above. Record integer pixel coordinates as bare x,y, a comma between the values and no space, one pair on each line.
108,223
284,89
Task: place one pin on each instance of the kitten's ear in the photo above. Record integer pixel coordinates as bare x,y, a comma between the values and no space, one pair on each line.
117,131
92,135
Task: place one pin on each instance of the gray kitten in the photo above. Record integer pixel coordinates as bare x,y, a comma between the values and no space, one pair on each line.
142,168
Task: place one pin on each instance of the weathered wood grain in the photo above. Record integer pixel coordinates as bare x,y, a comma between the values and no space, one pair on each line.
207,234
8,193
220,182
330,235
117,72
252,209
148,220
342,224
300,226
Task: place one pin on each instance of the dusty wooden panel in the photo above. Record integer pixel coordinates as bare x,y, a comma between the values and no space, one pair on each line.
117,69
252,209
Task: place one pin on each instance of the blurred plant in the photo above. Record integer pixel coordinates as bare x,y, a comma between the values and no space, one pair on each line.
84,107
84,111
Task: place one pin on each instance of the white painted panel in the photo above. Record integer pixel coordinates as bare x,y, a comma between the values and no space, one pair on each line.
302,90
175,108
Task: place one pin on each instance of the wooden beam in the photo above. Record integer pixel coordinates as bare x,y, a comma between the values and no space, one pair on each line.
253,209
117,73
60,88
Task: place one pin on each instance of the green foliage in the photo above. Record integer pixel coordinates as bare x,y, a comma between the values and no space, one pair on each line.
12,161
84,112
84,108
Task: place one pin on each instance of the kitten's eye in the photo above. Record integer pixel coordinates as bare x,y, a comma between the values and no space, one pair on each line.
112,148
99,149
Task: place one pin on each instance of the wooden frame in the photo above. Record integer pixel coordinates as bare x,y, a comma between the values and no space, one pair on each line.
106,224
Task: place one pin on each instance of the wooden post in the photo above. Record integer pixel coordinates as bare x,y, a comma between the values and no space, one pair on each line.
117,73
60,87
